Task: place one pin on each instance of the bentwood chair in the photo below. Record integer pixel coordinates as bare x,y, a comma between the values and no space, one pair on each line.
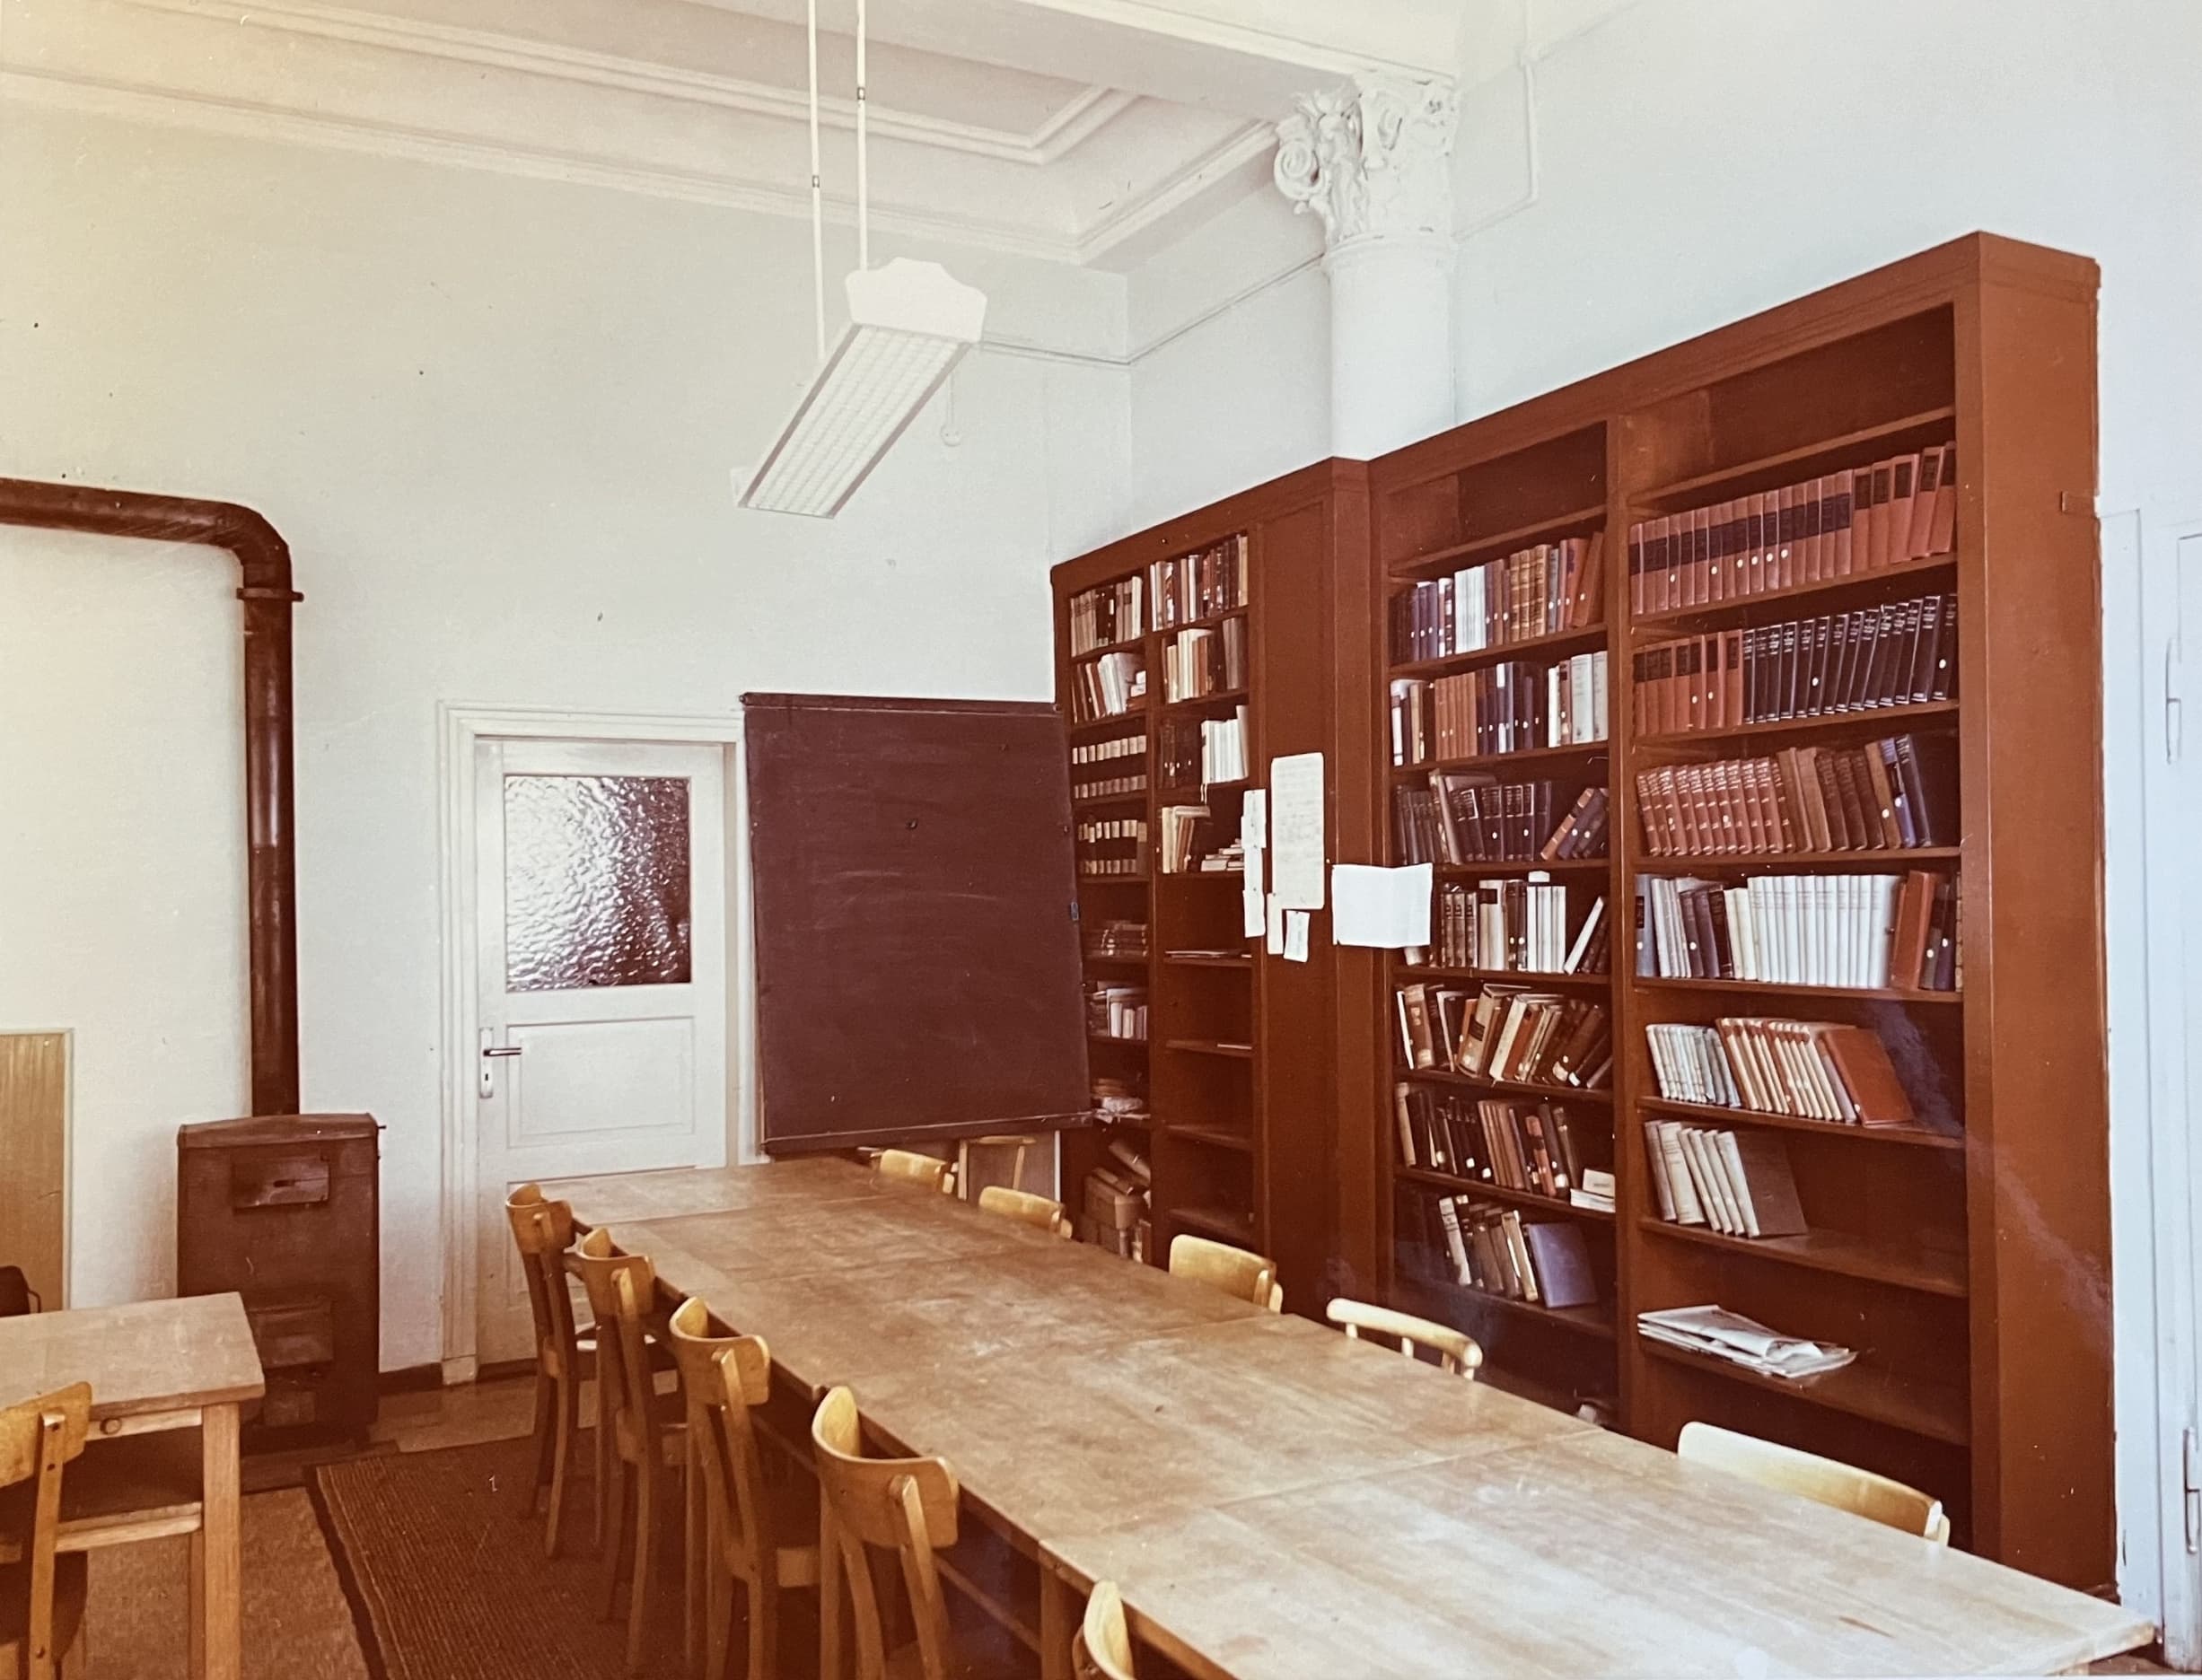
1251,1277
1102,1649
543,1230
925,1169
760,1535
42,1591
1456,1350
902,1506
1809,1476
648,1437
1023,1204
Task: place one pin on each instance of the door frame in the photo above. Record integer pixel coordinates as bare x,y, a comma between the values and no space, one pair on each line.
461,728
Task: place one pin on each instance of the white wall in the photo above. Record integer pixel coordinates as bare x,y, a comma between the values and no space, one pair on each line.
1632,173
121,687
494,418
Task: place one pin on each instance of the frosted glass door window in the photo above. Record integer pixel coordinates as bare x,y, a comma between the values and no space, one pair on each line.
596,882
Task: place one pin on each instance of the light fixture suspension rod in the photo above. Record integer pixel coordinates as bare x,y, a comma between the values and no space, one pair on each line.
818,200
863,150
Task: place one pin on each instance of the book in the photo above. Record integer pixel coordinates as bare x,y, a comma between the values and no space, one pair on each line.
1714,1330
1192,587
1111,847
1828,1071
1109,769
1867,932
1805,798
1548,589
1509,706
1116,1011
1861,520
1105,616
1560,1261
1109,685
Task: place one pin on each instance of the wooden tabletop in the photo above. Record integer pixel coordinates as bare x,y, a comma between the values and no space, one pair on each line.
149,1356
1590,1554
1279,1503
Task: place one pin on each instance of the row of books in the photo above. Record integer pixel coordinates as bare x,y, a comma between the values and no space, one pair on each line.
1870,931
1828,1071
1113,751
1899,653
1108,687
1200,585
1719,1334
1189,843
1111,787
1105,616
1506,1033
1205,661
1547,590
1735,1183
1116,846
1223,750
1886,795
1519,924
1116,936
1464,820
1517,705
1116,1011
1513,1144
1492,1250
1837,525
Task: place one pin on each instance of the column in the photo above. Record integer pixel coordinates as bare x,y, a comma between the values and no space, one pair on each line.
1374,161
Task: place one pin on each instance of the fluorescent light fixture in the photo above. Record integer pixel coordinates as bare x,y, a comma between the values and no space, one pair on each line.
909,324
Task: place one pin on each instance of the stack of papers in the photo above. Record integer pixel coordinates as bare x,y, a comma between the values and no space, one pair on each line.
1743,1341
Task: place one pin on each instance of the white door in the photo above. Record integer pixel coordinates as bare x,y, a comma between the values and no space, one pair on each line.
601,946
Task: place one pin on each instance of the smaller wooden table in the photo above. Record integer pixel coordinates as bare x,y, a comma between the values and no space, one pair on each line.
181,1364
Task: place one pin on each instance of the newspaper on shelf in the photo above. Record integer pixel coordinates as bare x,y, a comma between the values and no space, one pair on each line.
1715,1330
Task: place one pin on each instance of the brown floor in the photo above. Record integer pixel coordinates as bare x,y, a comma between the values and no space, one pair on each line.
296,1622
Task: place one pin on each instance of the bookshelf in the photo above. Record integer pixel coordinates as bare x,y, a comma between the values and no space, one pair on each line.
1964,1253
1239,1066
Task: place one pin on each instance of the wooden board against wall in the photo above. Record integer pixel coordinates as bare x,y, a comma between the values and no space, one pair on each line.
34,1112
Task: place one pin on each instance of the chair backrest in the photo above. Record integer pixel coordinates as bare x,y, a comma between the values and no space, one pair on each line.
1456,1350
721,1378
925,1169
907,1506
37,1438
17,1296
1828,1481
622,1288
1102,1649
1251,1277
1023,1204
543,1230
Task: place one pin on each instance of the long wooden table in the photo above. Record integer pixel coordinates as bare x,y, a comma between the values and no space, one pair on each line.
155,1367
1279,1503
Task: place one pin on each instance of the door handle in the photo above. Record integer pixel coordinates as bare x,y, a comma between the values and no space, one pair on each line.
486,1082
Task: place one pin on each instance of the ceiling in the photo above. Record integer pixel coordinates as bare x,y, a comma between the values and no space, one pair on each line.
1079,131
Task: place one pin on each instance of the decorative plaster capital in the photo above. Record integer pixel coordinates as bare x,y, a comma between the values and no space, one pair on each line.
1372,160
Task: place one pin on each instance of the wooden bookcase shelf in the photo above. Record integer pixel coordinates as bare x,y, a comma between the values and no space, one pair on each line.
1243,1077
1943,1252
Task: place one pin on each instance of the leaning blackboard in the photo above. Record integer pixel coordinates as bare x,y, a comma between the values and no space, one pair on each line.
917,969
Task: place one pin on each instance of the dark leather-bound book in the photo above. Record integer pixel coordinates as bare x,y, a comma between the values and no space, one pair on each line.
1559,1254
1924,652
1928,766
1868,1076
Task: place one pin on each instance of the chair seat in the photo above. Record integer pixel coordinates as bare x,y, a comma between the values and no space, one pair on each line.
132,1488
672,1432
15,1607
794,1510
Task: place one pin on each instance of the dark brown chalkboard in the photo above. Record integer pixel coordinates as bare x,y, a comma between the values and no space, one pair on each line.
917,968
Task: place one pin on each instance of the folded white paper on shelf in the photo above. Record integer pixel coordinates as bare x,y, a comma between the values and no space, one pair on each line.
1388,908
1715,1331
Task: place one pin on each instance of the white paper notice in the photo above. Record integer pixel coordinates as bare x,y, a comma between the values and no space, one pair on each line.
1295,936
1254,818
1257,919
1296,829
1275,927
1255,882
1389,908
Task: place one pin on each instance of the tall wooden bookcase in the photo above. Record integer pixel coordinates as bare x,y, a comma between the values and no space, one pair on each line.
1967,1260
1241,1060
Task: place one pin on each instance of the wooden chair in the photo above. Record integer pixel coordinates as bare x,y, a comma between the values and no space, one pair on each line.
749,1523
1249,1276
1457,1352
1023,1204
1102,1649
1022,1144
906,1506
42,1590
925,1169
647,1436
1807,1475
544,1230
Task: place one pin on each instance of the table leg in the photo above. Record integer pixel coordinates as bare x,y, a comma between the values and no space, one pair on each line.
1058,1615
219,1590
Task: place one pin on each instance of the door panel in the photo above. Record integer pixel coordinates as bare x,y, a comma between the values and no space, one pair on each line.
601,979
